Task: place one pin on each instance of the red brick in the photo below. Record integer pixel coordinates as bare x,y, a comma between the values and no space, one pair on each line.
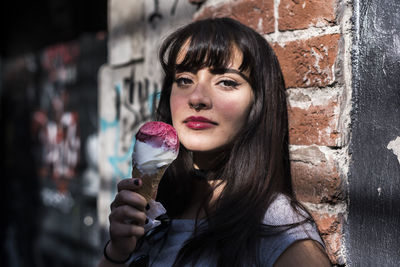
330,227
315,176
315,125
309,63
328,223
301,14
257,14
333,243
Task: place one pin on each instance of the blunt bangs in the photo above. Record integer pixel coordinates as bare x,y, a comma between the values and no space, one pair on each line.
211,45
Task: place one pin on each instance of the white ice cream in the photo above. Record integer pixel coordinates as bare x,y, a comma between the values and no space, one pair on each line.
148,159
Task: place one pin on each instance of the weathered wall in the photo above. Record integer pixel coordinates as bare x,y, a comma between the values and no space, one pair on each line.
374,215
312,39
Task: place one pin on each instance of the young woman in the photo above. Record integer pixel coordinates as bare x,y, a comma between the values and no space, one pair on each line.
228,195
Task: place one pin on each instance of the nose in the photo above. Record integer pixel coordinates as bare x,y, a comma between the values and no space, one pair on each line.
199,98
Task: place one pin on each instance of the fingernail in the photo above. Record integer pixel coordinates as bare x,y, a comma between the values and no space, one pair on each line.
147,221
136,182
147,206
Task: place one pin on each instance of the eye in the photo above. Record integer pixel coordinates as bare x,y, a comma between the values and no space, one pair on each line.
182,82
229,83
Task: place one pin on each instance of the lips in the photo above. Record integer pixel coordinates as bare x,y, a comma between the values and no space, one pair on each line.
199,123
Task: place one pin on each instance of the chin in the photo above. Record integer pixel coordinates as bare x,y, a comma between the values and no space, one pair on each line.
199,146
208,147
200,142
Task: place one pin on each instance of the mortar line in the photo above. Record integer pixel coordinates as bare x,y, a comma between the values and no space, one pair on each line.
328,88
303,34
327,208
276,22
293,147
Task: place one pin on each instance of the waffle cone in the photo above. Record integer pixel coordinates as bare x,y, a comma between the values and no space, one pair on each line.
149,182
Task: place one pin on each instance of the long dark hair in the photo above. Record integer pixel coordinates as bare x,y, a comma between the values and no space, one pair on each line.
256,168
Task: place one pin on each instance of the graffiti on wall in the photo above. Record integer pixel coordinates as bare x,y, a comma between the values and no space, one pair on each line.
60,146
54,125
139,104
135,102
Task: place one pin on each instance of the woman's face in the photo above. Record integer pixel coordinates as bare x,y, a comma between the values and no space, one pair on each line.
208,108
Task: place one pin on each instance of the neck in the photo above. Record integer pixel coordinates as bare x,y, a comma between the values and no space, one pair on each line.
204,192
201,198
207,160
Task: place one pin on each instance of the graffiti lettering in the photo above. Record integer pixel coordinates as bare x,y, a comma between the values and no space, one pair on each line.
135,103
140,101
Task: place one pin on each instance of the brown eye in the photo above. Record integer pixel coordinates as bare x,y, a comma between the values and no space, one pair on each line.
181,82
229,83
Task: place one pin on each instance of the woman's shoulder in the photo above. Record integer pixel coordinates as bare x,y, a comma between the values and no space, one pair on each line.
290,223
281,211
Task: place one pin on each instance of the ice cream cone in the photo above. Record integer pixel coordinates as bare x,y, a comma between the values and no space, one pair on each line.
156,147
150,182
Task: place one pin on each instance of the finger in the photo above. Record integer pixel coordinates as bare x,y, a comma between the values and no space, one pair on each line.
126,197
127,213
129,184
122,230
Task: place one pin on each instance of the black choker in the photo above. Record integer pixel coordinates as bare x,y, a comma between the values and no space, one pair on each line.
199,174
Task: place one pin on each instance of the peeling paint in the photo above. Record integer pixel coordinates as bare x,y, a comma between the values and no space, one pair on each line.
260,25
379,189
318,58
394,145
325,208
304,99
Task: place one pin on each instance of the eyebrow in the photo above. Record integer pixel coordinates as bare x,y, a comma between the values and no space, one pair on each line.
220,71
226,70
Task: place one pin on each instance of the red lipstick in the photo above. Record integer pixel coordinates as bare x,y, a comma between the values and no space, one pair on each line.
199,123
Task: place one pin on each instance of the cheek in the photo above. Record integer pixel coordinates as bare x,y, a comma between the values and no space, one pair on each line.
176,103
234,110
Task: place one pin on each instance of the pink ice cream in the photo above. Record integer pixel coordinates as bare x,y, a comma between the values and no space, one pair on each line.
159,135
156,146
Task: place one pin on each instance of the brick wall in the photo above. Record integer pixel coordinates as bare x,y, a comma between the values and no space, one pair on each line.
311,39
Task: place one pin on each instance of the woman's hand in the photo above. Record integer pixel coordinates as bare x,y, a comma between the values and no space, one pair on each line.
127,219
